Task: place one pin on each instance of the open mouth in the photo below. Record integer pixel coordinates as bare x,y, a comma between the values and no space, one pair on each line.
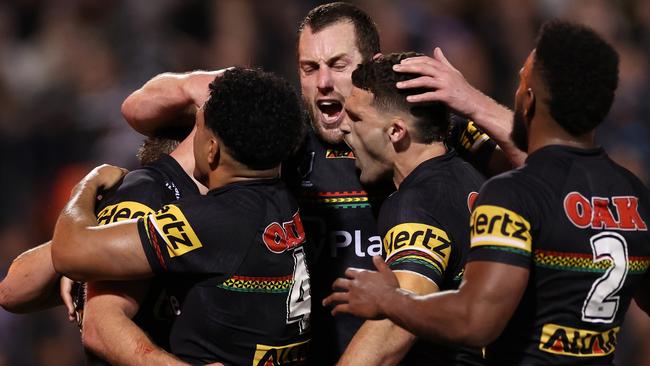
330,109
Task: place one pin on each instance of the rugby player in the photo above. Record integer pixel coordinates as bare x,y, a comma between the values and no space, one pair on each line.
31,282
559,247
424,223
241,246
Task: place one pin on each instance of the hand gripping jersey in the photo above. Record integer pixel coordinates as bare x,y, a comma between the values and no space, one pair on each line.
424,230
242,246
579,223
340,216
141,192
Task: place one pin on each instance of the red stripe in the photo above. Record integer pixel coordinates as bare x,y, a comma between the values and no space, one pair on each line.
154,243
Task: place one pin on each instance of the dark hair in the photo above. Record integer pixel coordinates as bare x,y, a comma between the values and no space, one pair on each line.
256,115
153,147
377,76
580,71
367,37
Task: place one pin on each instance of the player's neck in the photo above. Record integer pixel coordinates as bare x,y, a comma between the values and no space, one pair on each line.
545,132
416,154
226,174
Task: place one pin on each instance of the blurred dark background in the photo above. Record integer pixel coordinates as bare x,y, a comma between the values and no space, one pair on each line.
66,66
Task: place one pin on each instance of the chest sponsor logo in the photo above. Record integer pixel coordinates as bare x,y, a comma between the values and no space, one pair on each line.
292,354
574,342
495,225
174,228
597,213
122,211
431,242
281,237
339,154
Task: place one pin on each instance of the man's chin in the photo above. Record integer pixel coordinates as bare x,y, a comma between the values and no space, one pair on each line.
333,135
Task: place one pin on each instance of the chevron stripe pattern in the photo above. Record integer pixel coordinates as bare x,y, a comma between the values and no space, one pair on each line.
258,284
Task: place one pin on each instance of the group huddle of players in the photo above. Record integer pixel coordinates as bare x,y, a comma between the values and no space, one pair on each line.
204,256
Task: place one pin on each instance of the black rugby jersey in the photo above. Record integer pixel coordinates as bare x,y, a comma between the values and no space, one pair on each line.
243,247
340,217
141,192
424,230
579,222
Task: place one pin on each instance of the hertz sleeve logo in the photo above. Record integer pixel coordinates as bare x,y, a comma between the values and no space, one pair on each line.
122,211
577,342
498,226
292,354
427,243
175,230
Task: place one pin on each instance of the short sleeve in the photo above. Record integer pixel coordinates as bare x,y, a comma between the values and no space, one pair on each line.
421,248
194,237
500,228
471,143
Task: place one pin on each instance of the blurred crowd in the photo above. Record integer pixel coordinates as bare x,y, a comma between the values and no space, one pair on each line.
66,66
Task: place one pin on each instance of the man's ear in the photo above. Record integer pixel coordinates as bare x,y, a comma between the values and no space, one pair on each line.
529,104
376,56
214,152
398,133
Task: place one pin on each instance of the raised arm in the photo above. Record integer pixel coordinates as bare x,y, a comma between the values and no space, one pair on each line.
31,283
85,252
108,330
168,102
382,342
474,315
449,86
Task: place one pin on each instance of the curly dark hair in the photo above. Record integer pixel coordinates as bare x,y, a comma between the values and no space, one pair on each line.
580,70
377,76
256,115
367,36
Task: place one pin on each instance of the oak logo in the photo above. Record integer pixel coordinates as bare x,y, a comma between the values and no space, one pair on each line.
292,354
290,234
424,238
122,211
596,213
494,225
577,342
339,154
175,230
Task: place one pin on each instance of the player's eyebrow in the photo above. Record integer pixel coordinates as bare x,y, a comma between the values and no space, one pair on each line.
329,61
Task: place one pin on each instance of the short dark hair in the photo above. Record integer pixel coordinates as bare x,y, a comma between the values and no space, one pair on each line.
154,147
377,76
256,115
580,71
367,36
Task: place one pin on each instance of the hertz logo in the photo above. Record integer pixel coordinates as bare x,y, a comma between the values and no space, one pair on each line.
577,342
431,242
292,354
494,225
175,230
122,211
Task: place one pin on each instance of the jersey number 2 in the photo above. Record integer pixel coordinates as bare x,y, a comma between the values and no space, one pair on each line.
601,305
299,300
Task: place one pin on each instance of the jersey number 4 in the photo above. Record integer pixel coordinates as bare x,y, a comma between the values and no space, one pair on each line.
299,300
601,304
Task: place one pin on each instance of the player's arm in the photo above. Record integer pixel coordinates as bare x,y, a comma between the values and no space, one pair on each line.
83,251
167,101
382,342
31,283
449,86
642,297
108,330
473,315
